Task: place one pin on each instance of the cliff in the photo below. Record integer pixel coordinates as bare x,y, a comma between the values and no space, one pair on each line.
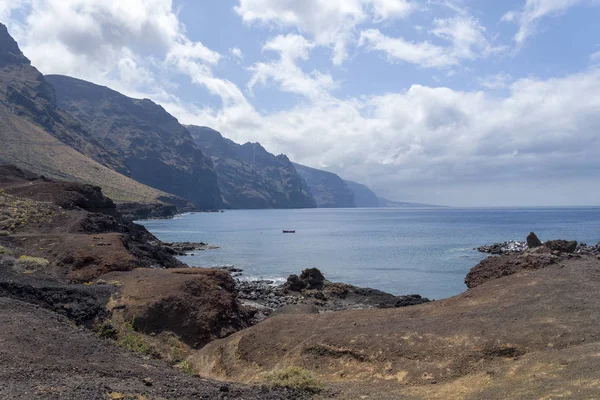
251,177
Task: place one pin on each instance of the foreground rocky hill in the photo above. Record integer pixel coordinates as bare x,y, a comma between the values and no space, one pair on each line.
36,135
95,307
529,329
328,189
249,176
150,144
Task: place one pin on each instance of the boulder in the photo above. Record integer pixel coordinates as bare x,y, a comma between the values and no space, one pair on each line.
533,241
563,246
309,279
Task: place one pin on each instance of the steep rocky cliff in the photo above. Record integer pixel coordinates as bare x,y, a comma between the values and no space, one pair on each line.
36,135
149,142
329,190
363,196
251,177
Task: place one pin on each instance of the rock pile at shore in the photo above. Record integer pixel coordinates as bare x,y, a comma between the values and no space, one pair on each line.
515,246
312,290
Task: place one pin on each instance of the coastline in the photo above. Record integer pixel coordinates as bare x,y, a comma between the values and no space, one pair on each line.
91,285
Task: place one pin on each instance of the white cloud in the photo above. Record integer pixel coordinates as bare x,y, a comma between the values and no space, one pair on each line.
595,57
535,10
389,9
465,38
330,23
430,140
286,73
497,81
399,49
122,44
237,53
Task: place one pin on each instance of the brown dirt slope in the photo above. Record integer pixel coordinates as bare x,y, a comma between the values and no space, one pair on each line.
533,334
74,227
43,356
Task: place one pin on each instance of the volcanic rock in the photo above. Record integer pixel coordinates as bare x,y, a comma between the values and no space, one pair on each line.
533,241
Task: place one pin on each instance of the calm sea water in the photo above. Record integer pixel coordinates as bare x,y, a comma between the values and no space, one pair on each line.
401,251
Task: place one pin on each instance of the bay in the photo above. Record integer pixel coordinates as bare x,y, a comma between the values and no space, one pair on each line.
400,251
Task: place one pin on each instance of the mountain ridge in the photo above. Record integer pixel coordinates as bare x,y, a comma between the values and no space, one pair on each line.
251,177
328,189
152,146
39,137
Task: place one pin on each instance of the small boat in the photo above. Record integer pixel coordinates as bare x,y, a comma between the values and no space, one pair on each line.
284,231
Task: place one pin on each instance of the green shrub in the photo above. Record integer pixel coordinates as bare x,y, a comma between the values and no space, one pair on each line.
4,233
187,367
130,340
294,378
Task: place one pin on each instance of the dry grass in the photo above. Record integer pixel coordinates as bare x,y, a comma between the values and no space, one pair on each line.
33,263
294,378
28,146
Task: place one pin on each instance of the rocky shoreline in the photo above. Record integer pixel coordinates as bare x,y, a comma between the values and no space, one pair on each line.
515,246
311,293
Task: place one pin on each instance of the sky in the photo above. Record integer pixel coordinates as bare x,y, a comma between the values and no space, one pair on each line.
454,102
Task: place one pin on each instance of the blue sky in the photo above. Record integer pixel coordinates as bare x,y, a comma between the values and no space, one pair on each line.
459,102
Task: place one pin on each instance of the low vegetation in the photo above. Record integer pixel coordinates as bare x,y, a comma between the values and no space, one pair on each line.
187,368
294,378
29,265
131,340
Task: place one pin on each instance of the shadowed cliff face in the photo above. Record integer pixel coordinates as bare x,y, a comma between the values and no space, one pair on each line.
363,196
25,92
329,190
251,177
154,148
36,135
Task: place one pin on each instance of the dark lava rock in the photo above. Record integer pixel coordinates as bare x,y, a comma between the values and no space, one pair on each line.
562,246
309,279
533,241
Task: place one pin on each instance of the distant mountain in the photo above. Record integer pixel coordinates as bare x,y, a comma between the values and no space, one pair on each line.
328,189
363,196
250,177
149,143
400,204
37,136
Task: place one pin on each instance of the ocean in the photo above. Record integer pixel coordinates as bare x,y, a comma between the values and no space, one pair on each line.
400,251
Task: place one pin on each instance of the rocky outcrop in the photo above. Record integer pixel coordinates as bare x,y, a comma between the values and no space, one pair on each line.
562,246
198,305
363,196
251,177
10,54
533,241
149,143
311,291
510,247
328,189
74,228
